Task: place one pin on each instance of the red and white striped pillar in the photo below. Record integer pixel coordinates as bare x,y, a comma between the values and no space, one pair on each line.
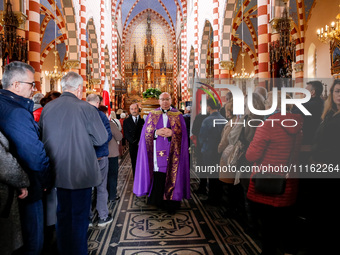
196,34
300,47
123,62
82,34
184,70
175,75
102,45
113,53
34,39
216,31
263,38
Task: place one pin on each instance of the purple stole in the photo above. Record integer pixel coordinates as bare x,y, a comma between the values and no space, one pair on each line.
162,148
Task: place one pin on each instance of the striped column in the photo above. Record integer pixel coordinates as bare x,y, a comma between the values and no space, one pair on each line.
102,46
34,39
263,38
300,46
113,53
175,75
123,62
196,34
82,34
216,29
184,70
227,65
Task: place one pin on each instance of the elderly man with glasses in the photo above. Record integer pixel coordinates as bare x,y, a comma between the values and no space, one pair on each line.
162,169
18,125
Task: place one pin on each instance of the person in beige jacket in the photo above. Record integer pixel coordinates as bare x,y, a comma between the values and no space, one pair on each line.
112,175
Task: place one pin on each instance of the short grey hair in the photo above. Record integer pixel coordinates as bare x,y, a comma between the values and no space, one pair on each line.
37,97
71,81
92,98
15,70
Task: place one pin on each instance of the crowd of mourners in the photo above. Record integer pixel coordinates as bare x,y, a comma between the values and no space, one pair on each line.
304,211
56,156
69,133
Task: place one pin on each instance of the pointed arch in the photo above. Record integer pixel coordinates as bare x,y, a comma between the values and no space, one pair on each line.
93,43
207,31
107,64
191,70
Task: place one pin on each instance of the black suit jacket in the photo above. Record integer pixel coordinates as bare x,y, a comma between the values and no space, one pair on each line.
131,130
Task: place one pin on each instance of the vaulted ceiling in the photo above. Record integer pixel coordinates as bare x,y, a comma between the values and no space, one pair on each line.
166,8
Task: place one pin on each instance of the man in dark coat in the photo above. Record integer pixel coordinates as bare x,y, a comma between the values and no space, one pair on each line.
18,125
70,130
315,107
209,138
132,127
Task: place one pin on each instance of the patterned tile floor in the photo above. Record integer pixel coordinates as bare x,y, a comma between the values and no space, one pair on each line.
140,229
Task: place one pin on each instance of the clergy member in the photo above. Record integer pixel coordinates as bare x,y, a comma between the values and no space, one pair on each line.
162,169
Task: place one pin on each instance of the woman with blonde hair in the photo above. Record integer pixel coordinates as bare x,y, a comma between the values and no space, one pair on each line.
115,120
324,209
327,147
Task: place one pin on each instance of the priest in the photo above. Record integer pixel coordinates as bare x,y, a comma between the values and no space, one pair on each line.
162,168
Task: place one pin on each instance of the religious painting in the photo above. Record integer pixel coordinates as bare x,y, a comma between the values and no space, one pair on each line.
335,57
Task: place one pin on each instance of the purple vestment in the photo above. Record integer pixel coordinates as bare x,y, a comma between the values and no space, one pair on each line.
172,157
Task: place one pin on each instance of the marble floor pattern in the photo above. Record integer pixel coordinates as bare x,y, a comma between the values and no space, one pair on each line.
141,229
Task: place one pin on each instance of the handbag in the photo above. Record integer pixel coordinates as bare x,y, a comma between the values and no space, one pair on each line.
272,184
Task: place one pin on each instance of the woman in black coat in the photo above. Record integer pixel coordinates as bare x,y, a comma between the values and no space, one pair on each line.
324,210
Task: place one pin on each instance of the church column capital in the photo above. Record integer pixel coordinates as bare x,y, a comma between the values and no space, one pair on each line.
71,64
298,67
95,81
227,65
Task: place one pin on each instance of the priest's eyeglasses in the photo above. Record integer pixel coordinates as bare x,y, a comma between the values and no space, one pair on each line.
164,99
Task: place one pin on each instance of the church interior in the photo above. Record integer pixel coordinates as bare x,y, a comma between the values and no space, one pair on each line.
127,47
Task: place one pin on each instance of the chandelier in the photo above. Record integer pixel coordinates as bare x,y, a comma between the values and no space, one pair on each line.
284,48
331,32
12,46
243,74
55,74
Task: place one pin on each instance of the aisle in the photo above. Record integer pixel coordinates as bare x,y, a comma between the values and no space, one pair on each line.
141,229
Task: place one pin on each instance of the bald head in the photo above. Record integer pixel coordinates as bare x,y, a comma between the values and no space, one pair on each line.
165,101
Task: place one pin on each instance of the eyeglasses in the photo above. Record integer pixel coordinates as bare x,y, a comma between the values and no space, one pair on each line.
164,99
30,83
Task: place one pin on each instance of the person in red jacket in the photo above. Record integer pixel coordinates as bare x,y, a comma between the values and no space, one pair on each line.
272,145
